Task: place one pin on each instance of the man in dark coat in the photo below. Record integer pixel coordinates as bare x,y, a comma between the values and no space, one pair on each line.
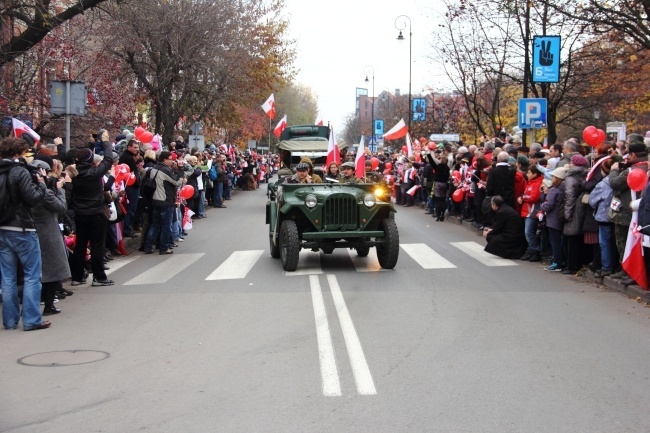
507,239
501,180
132,191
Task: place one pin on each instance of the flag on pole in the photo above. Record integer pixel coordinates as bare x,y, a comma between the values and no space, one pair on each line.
409,144
360,160
20,128
282,124
397,131
269,107
318,121
413,190
333,154
633,262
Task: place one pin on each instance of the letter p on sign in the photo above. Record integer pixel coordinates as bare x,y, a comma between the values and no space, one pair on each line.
533,112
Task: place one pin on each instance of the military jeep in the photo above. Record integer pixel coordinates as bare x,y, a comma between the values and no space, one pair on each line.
332,215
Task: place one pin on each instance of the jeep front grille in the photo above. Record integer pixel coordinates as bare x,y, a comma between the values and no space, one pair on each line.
341,212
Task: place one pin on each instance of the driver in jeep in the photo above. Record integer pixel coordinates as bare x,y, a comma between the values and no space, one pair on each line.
302,174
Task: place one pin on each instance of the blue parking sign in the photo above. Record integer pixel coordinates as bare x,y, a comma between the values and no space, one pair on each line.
532,113
546,59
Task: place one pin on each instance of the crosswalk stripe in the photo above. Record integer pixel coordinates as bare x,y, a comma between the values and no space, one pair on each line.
236,266
366,264
426,257
165,270
475,251
308,264
117,264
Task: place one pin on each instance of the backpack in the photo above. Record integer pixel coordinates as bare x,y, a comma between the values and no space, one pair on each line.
212,173
148,187
7,207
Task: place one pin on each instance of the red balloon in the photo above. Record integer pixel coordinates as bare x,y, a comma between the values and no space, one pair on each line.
388,165
458,195
125,168
146,137
588,132
637,179
130,180
602,136
432,145
187,191
374,162
455,174
138,131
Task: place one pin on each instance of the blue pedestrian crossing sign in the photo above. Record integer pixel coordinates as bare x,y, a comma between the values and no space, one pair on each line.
532,113
546,59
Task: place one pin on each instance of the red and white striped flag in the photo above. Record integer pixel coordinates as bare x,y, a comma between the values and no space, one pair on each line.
269,107
633,262
360,160
20,128
282,124
397,131
409,144
333,154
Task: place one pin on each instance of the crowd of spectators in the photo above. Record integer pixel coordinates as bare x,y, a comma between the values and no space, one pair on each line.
65,215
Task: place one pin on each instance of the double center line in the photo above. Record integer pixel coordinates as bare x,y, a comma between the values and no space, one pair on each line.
329,371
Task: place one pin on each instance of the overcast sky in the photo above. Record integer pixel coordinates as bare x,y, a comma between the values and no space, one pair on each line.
338,38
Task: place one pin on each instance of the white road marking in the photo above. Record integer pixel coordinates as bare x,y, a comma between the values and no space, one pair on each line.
427,257
119,263
362,376
475,251
366,264
328,370
165,270
236,266
308,264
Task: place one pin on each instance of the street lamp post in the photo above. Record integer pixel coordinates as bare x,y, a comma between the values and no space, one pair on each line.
372,114
400,37
596,116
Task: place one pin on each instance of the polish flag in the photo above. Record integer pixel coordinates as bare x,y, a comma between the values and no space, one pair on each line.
333,154
413,190
597,166
633,262
360,160
409,144
282,124
397,131
319,121
269,107
20,127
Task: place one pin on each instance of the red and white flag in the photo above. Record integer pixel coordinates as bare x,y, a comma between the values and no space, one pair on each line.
411,191
187,219
269,107
20,128
333,154
397,131
360,160
633,262
318,121
409,144
282,124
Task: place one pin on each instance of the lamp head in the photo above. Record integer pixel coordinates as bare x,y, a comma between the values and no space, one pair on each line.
367,80
400,37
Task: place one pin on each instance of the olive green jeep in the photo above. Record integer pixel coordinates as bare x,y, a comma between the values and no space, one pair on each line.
325,216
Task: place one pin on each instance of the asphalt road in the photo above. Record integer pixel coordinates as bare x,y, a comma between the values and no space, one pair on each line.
218,338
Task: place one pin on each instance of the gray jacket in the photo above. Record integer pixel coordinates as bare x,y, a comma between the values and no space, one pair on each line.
574,209
54,256
599,200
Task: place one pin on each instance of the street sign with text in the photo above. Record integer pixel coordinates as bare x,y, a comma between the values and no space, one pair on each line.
546,59
532,113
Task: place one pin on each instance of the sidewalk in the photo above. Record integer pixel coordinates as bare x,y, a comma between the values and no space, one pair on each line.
633,291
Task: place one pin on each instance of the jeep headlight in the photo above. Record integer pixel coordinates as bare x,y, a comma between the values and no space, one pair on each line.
379,193
369,200
311,201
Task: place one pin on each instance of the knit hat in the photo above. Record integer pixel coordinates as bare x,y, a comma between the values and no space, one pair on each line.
47,159
85,156
559,172
547,183
523,159
579,161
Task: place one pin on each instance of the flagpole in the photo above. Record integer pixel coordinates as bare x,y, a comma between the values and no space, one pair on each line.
269,134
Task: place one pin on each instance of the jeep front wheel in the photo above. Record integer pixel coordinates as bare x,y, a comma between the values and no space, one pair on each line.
289,245
388,251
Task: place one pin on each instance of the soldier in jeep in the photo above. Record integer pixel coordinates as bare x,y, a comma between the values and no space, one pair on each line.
302,174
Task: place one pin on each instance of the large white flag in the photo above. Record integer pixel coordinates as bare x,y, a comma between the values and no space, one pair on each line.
360,160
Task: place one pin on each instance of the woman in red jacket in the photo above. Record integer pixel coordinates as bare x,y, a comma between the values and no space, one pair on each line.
530,205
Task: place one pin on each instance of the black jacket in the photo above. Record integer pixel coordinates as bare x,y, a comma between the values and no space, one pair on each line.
24,193
129,159
88,185
501,181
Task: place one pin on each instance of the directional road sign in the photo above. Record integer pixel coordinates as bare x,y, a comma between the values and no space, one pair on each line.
546,59
532,113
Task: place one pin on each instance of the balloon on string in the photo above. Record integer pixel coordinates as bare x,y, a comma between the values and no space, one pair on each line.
138,132
455,175
146,137
374,162
637,179
601,136
187,191
591,136
458,195
125,168
130,180
388,166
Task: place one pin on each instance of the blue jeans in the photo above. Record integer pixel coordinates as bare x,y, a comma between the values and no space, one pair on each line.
132,194
217,194
605,238
23,247
201,199
555,239
162,223
530,224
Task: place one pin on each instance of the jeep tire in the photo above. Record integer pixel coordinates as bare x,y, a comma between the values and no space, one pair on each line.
289,245
388,252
